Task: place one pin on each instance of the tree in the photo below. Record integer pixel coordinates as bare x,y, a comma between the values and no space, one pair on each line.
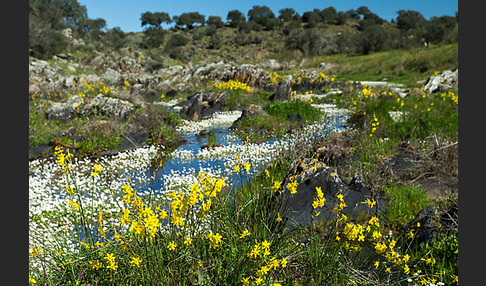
189,19
311,18
115,38
442,29
215,21
369,18
262,15
155,19
235,18
153,37
412,26
287,14
174,45
329,15
410,20
47,20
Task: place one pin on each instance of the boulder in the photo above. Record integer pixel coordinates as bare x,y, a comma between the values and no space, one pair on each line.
194,111
202,105
112,107
433,221
297,210
252,110
111,76
270,64
403,164
445,80
282,93
64,110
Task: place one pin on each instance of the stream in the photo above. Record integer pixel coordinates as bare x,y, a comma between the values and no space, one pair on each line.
49,201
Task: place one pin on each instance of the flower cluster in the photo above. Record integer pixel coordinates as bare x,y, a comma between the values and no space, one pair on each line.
319,201
232,85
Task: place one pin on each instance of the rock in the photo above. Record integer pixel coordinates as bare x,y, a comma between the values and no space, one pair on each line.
111,76
433,221
41,150
202,105
112,107
194,111
403,164
445,80
297,210
295,118
270,87
70,81
252,110
270,64
63,111
282,92
134,138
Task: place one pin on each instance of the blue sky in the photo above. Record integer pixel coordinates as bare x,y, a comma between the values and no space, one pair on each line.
126,13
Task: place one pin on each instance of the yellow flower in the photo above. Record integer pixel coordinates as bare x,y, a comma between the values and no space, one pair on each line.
380,247
247,167
110,257
172,245
279,219
73,204
410,234
215,239
135,261
370,203
267,173
377,263
283,262
292,187
276,185
245,281
236,168
32,280
188,241
97,168
112,266
265,244
244,233
406,269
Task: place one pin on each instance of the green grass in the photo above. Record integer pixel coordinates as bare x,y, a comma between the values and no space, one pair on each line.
236,243
401,66
98,132
276,124
405,202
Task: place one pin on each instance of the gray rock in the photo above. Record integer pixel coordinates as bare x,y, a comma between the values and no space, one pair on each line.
297,210
194,111
443,81
64,110
271,64
250,111
110,106
433,221
283,90
111,76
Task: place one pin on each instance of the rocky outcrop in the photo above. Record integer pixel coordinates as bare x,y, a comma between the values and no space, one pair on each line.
284,88
64,110
297,210
445,80
250,111
431,222
112,107
202,105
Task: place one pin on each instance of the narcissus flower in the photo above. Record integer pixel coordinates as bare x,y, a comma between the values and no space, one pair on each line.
172,245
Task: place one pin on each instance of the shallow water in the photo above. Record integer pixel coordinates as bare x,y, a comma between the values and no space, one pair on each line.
190,158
